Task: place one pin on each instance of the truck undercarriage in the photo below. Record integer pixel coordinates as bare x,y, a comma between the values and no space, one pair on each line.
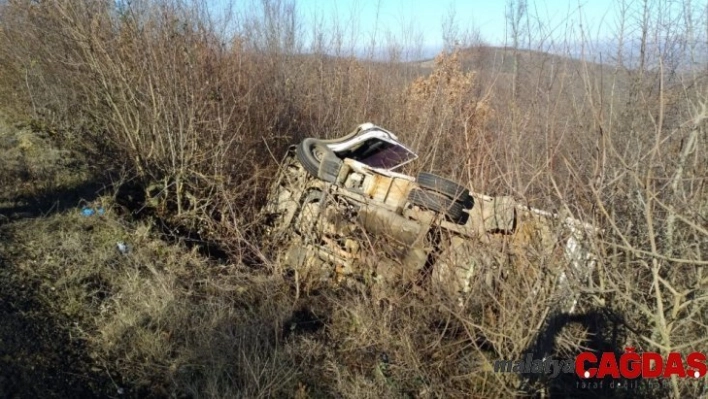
340,214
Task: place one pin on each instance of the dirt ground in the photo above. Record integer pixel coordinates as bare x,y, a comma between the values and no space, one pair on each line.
40,356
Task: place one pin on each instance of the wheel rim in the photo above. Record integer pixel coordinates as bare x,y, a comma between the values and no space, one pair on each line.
318,154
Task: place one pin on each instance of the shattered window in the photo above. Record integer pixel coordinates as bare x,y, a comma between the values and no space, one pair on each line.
378,153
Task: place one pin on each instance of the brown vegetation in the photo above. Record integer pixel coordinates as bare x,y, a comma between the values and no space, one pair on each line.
156,95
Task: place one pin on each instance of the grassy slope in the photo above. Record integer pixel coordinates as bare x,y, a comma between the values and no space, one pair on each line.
38,356
83,319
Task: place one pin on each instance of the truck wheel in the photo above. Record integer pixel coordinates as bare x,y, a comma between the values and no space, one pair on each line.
444,186
436,202
329,168
318,159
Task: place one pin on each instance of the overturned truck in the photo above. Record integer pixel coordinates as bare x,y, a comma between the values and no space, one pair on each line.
339,212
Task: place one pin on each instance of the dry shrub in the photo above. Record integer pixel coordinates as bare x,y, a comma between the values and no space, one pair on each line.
151,89
446,117
155,91
656,243
625,147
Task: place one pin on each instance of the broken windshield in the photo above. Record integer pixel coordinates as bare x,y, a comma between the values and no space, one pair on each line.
378,153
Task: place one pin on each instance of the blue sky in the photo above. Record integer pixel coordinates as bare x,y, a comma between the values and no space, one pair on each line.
416,26
426,17
413,29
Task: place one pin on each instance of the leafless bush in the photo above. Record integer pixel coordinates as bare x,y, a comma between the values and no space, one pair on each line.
448,100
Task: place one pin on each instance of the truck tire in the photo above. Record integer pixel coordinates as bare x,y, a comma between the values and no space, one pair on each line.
438,203
318,159
330,167
444,186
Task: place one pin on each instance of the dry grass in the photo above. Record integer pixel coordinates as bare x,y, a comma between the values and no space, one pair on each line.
161,316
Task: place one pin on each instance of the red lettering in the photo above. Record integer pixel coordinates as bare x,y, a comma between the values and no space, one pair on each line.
697,361
608,365
630,364
580,369
674,365
647,371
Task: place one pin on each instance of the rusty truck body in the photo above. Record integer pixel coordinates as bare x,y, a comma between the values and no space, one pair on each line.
340,211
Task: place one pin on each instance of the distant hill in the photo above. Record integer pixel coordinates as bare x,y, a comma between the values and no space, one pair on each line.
501,59
538,73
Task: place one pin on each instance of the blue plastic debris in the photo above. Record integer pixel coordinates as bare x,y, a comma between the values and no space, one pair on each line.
86,211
